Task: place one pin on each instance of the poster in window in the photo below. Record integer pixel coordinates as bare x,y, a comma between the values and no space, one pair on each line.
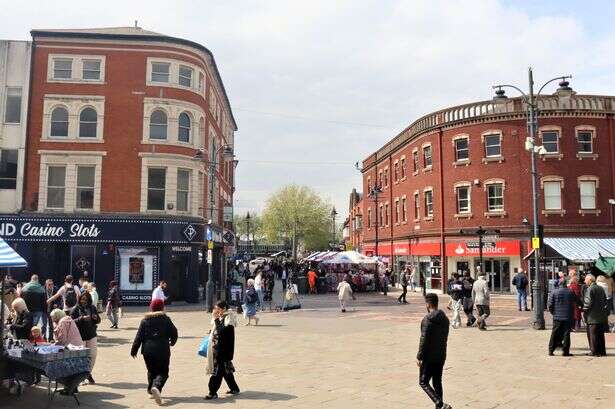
136,270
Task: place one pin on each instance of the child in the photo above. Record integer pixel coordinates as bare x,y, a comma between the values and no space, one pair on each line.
36,336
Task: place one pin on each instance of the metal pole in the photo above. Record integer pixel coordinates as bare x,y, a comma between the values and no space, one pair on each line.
249,242
480,253
539,319
377,216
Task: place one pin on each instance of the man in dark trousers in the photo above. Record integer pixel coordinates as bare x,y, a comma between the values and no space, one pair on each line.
521,282
432,351
403,282
560,304
596,313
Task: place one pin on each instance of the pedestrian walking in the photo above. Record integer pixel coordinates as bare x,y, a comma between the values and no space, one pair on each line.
521,282
69,293
431,355
250,301
87,319
480,295
344,294
158,293
561,305
312,279
260,289
34,295
577,308
403,282
221,350
114,302
456,293
155,337
596,313
411,279
385,284
468,302
21,326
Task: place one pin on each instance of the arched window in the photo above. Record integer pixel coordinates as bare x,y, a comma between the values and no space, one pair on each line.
158,125
184,128
59,122
87,123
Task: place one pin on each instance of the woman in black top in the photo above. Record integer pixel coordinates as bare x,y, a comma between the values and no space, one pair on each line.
221,350
22,324
155,337
87,319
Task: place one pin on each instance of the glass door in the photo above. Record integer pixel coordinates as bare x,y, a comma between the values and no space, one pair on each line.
505,276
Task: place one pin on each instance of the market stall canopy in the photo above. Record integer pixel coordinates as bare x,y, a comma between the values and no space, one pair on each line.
9,257
581,250
350,257
606,265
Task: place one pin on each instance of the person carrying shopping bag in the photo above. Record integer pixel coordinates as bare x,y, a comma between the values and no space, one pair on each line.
221,350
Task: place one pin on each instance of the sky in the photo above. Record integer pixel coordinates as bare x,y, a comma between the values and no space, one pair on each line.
316,86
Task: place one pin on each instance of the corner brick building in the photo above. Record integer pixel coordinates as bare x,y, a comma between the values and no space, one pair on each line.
466,166
129,157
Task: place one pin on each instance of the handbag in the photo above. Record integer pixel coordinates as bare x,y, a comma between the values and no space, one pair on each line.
203,346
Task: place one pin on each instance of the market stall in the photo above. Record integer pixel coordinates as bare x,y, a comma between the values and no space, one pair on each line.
361,268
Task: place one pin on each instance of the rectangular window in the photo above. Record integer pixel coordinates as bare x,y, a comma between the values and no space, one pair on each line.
415,160
416,206
493,147
381,180
56,185
12,113
553,195
62,69
160,71
427,156
585,140
8,169
397,211
156,185
463,199
183,190
550,141
185,76
85,187
381,216
396,171
428,203
404,210
403,168
369,218
91,69
386,178
588,194
201,81
495,197
462,151
369,184
386,214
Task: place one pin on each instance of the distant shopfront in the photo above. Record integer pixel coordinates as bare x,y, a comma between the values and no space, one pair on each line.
135,251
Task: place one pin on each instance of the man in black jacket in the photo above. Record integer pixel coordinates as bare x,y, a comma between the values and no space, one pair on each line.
432,351
596,313
561,304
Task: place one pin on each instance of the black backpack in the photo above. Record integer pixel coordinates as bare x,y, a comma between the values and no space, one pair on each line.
70,297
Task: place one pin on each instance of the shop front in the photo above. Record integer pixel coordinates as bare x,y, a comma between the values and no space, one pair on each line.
137,252
500,260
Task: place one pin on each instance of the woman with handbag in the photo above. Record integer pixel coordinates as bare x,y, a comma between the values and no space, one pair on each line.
220,351
87,319
155,337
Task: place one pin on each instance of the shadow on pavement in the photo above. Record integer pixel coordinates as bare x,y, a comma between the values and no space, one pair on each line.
123,385
104,342
36,397
247,395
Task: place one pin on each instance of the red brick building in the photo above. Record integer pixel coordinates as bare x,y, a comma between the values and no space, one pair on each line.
127,128
355,221
466,166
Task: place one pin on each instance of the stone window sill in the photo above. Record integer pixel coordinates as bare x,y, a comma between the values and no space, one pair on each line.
464,162
582,156
496,214
416,172
428,169
583,212
428,218
560,212
558,156
463,215
498,159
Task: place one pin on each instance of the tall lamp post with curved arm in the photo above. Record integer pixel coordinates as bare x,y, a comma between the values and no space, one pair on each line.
564,90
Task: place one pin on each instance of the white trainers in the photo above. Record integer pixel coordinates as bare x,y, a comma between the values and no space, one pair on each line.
446,406
156,395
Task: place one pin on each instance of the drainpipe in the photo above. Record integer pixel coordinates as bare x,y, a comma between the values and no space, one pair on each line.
443,260
610,119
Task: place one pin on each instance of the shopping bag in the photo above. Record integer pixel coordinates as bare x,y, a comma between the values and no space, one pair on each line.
203,347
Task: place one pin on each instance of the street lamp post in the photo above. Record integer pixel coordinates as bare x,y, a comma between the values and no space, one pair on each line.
248,229
333,215
532,118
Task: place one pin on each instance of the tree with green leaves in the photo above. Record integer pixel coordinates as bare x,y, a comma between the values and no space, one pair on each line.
296,214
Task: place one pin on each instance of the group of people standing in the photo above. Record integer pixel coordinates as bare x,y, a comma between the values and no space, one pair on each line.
467,293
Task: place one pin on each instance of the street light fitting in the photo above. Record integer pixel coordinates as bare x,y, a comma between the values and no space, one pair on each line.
333,212
564,90
500,97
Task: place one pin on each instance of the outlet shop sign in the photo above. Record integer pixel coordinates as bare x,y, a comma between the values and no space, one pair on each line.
100,230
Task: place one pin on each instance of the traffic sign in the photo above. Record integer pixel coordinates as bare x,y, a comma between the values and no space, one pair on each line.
210,245
210,256
535,242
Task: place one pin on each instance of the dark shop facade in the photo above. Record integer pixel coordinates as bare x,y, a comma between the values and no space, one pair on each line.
137,252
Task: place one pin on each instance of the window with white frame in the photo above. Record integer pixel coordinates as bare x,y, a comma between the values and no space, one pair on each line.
88,122
386,177
587,189
462,150
396,171
184,122
201,82
402,164
585,141
404,210
160,71
396,211
417,210
462,193
183,190
380,178
91,70
8,168
553,195
427,160
495,197
12,109
369,218
550,141
493,145
56,186
185,76
158,125
386,214
428,203
62,68
86,176
156,187
381,216
415,161
59,123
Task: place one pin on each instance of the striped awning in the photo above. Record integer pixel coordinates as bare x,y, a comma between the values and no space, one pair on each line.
9,257
582,250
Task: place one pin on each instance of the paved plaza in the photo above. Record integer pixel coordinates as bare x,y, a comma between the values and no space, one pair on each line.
317,357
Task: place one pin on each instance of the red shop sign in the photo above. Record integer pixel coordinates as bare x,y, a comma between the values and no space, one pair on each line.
502,248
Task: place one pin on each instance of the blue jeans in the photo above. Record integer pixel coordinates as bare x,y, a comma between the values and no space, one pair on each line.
40,317
522,298
261,298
